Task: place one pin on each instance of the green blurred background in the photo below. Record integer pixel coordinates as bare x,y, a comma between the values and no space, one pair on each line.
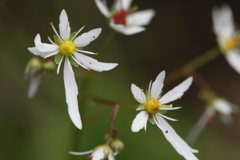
40,128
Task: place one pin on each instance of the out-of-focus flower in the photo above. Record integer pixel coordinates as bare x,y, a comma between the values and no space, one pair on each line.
68,49
102,152
228,37
153,106
34,70
124,19
216,108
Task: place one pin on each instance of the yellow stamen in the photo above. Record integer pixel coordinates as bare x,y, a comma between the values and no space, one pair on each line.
231,43
67,48
152,106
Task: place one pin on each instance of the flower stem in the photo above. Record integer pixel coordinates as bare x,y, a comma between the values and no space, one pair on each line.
194,64
112,130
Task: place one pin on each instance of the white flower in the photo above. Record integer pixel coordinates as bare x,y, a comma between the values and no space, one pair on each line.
151,103
68,50
102,152
123,19
227,35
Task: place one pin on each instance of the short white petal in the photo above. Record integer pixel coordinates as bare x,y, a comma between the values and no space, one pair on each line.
176,141
102,6
176,92
34,83
138,94
140,18
157,85
93,63
64,27
87,37
233,58
127,30
71,90
44,47
140,121
36,52
123,4
111,157
80,153
98,154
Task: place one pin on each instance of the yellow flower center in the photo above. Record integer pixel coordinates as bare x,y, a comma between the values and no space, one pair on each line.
67,48
152,106
231,43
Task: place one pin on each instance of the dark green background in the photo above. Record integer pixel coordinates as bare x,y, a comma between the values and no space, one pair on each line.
40,129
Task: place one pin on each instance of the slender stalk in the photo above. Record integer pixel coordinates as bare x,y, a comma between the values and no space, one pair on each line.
112,130
194,64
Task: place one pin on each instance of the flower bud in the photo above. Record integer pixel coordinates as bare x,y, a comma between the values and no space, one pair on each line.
35,63
49,66
117,145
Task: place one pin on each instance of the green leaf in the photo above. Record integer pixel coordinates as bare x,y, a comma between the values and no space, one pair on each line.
58,58
57,40
73,62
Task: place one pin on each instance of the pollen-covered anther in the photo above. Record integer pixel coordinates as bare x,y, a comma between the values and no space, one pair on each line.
90,63
152,106
142,90
51,23
89,69
67,48
232,43
163,78
166,131
179,97
94,36
96,54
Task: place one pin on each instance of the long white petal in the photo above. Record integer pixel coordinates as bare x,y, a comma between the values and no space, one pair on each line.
233,58
157,85
93,63
80,153
44,47
98,154
127,30
123,4
71,90
140,121
176,141
138,94
64,27
102,6
87,37
140,18
34,83
176,92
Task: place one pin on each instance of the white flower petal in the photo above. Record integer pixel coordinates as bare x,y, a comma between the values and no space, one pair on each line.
36,52
157,85
140,121
223,106
80,153
123,4
140,18
223,22
111,157
44,47
127,30
71,90
102,6
176,141
138,94
176,92
233,58
98,154
93,63
34,83
173,108
171,119
87,37
59,64
64,27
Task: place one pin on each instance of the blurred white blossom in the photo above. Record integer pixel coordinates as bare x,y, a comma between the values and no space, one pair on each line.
153,106
68,49
228,37
124,19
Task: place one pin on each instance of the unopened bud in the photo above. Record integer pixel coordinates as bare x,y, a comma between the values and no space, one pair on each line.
49,66
35,63
117,145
